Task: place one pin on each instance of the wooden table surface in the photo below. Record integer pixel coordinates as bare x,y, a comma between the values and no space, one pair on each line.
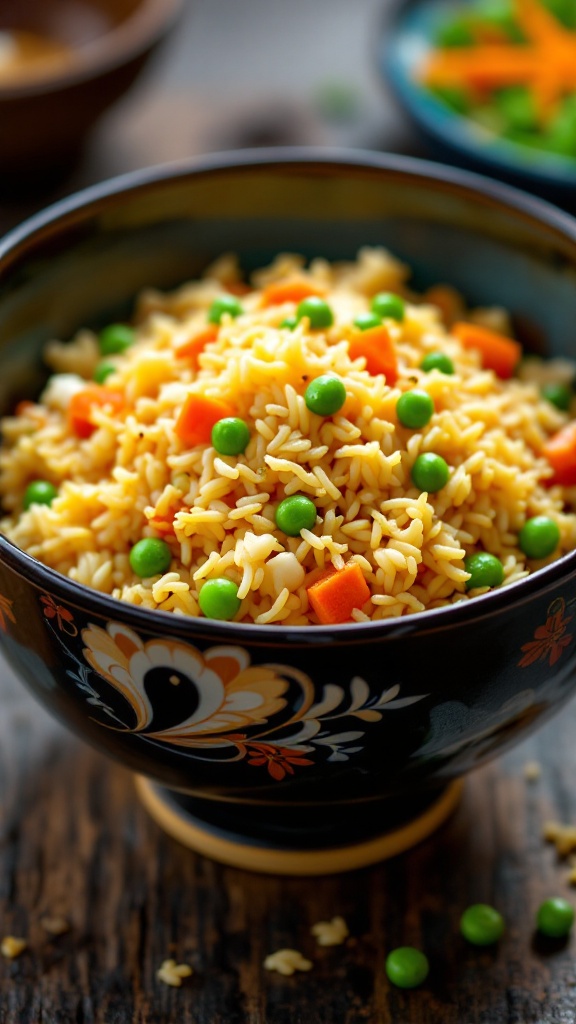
74,841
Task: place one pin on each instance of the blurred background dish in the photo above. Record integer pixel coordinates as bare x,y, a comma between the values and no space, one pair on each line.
412,31
62,63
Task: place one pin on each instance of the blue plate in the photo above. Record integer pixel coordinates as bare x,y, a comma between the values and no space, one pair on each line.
408,37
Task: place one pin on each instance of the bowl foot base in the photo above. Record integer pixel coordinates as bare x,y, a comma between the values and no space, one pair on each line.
208,827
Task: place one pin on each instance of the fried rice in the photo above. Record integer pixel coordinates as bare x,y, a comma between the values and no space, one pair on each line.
133,476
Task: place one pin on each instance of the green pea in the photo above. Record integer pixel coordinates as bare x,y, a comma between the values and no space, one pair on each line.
386,304
364,321
39,492
500,14
218,599
414,408
564,10
290,322
294,514
490,118
224,304
559,395
516,104
453,96
485,570
481,924
150,557
539,537
102,371
407,967
230,436
316,310
455,33
325,395
555,917
115,338
437,361
430,472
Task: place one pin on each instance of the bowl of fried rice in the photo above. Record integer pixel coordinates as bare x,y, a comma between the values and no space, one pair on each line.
288,485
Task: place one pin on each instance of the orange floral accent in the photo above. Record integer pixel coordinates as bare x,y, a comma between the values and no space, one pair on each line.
64,618
279,760
551,639
6,612
546,62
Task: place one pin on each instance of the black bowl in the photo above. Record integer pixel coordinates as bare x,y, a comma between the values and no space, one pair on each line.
295,738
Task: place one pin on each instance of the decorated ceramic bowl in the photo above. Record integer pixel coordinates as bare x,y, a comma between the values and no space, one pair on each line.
410,28
288,749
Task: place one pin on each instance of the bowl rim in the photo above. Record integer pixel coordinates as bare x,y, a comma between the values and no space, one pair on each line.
456,131
146,25
88,202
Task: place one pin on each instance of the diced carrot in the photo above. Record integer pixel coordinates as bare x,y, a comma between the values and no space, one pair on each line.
82,403
499,353
192,348
289,291
379,351
560,450
161,525
334,595
198,416
165,523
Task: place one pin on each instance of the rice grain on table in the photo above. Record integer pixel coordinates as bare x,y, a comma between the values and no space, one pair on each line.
134,477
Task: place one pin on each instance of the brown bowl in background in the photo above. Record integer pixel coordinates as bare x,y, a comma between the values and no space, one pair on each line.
75,59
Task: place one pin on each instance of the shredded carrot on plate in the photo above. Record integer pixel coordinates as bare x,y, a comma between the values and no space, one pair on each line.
545,63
